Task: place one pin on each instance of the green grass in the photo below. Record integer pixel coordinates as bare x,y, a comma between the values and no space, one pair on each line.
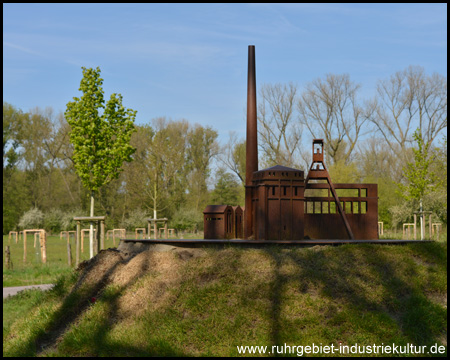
160,305
393,234
34,272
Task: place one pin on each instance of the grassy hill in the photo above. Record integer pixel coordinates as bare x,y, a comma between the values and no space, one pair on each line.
206,302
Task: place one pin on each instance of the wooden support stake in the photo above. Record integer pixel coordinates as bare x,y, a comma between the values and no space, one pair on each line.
43,243
24,246
102,235
8,262
429,228
77,246
69,255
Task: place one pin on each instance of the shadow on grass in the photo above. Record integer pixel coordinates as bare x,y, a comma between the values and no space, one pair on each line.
400,302
77,303
419,320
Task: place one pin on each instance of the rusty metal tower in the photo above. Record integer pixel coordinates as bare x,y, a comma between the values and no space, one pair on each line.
318,171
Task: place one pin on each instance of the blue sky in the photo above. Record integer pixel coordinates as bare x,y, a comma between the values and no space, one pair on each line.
189,61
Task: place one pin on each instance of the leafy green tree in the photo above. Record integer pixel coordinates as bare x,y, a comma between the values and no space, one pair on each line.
14,202
101,140
155,180
48,183
187,218
227,190
53,220
167,155
136,219
12,126
421,180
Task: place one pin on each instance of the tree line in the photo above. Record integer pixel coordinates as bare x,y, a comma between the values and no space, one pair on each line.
178,167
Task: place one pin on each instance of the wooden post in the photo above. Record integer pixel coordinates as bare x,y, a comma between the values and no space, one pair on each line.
24,246
69,255
430,226
165,228
43,243
102,234
77,244
149,230
155,229
96,238
10,234
415,219
8,262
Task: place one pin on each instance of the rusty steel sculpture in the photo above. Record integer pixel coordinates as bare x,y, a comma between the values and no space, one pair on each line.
280,204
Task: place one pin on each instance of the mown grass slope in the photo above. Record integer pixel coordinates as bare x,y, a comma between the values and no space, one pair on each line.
207,302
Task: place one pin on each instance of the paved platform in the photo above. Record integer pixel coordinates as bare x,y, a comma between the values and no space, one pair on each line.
261,242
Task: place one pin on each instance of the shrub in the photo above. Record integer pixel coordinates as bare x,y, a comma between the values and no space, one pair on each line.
32,219
136,219
67,222
187,219
53,221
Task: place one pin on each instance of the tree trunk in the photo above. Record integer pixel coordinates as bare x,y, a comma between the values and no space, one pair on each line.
91,229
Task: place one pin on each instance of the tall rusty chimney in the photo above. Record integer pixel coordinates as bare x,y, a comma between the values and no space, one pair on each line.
252,145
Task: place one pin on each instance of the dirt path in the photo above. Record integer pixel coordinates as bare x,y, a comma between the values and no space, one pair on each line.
11,291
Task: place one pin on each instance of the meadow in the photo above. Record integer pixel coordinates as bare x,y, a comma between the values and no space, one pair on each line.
35,272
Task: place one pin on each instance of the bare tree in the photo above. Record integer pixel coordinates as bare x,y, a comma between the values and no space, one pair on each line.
232,156
202,148
377,161
406,101
57,147
329,109
280,135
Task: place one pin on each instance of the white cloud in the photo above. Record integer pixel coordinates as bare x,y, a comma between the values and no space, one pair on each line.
21,48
